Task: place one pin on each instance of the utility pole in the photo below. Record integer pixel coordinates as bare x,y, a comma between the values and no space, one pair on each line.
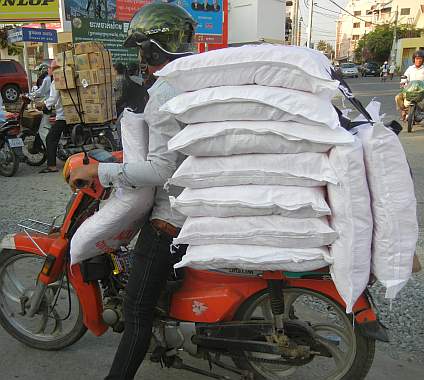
295,23
394,45
311,10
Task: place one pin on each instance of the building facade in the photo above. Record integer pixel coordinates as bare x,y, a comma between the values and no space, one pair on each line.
366,15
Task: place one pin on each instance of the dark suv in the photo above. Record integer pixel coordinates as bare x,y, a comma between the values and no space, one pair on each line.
370,68
13,80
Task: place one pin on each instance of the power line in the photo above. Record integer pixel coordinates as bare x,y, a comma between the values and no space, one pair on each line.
329,10
351,14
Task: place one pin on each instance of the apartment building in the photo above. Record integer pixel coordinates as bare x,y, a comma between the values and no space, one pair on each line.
366,14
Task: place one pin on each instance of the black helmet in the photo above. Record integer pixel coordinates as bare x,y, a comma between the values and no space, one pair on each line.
162,32
418,53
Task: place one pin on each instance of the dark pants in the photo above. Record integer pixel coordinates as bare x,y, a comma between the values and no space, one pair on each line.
152,264
52,140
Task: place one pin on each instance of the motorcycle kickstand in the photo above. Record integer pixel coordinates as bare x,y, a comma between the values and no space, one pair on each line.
179,364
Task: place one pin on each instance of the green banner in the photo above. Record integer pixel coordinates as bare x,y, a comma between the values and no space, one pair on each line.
111,34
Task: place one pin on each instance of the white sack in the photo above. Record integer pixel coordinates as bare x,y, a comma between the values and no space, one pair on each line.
352,219
240,137
268,65
253,257
123,214
302,169
270,230
252,200
252,102
394,205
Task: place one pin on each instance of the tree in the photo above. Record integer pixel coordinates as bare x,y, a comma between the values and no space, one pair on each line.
377,45
322,45
12,49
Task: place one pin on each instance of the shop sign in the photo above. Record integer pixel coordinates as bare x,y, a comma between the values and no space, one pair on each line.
32,35
15,11
111,34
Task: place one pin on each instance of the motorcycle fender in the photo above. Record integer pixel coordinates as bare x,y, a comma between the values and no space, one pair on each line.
362,309
88,294
90,299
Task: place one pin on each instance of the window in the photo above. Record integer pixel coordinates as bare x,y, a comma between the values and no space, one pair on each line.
7,67
355,37
357,13
368,24
405,11
356,24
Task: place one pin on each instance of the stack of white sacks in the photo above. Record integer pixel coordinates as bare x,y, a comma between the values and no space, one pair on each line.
272,181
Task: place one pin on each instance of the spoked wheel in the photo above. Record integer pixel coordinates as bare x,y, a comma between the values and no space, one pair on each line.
34,150
59,320
9,162
352,354
411,117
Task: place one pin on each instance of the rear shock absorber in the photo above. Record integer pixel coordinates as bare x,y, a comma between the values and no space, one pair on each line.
276,299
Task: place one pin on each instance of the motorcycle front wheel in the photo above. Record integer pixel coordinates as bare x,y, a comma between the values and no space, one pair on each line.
411,117
59,321
9,162
351,353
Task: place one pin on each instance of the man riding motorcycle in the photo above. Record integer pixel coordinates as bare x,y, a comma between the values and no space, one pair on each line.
163,32
414,72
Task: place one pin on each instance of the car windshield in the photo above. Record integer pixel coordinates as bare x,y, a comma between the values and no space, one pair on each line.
347,66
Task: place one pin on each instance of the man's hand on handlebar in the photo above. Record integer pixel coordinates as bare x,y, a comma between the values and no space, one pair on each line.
83,176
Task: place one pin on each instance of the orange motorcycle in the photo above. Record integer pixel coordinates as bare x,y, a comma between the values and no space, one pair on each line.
273,325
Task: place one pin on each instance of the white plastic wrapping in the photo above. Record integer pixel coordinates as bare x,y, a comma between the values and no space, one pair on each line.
252,200
123,214
270,230
268,65
252,102
303,169
394,205
352,220
253,257
238,137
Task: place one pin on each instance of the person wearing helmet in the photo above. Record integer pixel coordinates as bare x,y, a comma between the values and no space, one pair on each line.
413,72
162,32
384,71
44,82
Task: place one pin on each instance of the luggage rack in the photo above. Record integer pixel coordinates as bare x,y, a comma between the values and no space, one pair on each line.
39,227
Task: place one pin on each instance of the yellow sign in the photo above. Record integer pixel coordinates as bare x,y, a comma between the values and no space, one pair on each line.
18,11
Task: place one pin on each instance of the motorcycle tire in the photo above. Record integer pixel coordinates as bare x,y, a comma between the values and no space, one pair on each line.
35,158
360,359
11,322
10,168
107,141
411,117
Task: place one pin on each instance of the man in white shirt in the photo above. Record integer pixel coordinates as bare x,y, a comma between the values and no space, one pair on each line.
414,72
53,137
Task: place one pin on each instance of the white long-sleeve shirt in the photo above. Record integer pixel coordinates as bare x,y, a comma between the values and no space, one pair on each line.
44,90
160,164
414,73
55,100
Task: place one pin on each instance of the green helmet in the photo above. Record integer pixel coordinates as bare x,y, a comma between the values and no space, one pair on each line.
168,26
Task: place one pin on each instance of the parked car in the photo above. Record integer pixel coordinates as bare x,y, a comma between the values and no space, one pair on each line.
13,80
370,68
349,70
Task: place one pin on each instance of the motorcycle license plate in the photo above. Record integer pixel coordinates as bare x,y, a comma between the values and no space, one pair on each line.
16,143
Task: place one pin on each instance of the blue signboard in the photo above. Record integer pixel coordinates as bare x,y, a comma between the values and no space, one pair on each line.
209,16
32,35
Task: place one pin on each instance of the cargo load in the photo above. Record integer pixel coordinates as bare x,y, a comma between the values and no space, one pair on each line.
85,80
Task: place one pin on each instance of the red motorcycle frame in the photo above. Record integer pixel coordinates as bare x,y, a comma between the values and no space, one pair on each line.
205,297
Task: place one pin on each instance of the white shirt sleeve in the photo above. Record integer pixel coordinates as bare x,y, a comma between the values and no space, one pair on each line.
408,73
53,97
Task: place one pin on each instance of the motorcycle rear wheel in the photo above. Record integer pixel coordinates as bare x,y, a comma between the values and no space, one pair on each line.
11,164
37,158
46,330
337,332
411,117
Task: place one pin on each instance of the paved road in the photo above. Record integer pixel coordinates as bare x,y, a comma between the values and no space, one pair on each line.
90,358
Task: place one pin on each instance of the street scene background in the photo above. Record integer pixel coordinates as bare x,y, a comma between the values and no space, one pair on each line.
42,196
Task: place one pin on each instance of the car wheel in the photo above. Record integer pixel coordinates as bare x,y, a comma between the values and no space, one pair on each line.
10,93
